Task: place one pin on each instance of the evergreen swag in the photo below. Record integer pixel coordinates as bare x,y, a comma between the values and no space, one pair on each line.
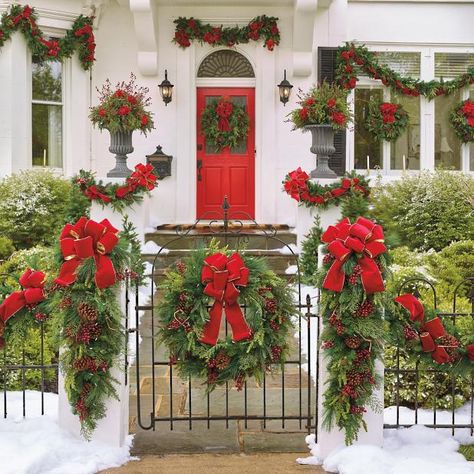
353,60
352,338
224,124
428,334
184,314
24,19
261,28
310,193
118,196
462,120
386,121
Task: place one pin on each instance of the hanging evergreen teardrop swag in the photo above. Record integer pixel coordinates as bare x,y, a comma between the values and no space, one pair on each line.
224,124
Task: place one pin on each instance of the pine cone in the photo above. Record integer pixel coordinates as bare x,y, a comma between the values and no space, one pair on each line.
409,333
271,305
274,325
451,345
365,309
276,353
181,267
239,382
222,360
87,312
40,316
353,342
65,302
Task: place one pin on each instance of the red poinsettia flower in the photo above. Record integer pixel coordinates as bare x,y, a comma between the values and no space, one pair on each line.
192,23
304,112
346,55
388,118
119,93
270,44
144,120
470,121
275,31
255,25
388,108
309,102
331,103
254,35
182,38
352,82
468,108
124,110
348,69
102,112
132,99
338,117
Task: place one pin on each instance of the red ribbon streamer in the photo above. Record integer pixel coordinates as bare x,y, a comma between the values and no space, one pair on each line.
85,239
224,111
429,331
222,276
365,238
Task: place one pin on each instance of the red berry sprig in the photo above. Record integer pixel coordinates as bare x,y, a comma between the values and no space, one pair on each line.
354,277
328,259
410,333
365,309
327,345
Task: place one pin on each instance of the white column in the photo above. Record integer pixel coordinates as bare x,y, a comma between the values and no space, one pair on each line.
15,106
113,428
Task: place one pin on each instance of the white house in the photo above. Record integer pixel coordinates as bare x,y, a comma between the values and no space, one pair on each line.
425,39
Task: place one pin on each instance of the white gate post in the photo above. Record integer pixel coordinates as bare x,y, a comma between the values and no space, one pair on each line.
113,428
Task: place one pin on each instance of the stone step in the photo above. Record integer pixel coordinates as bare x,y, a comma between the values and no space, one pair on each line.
265,239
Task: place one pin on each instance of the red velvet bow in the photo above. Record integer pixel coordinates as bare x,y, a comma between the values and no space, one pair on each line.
224,111
93,193
222,276
87,238
470,351
365,238
143,176
346,185
33,283
429,331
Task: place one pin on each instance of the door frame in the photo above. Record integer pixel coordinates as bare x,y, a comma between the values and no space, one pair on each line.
220,90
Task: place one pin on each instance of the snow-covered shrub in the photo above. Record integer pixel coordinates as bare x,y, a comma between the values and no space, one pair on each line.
426,211
34,207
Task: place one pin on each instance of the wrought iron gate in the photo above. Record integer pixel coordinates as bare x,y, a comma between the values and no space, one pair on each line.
234,231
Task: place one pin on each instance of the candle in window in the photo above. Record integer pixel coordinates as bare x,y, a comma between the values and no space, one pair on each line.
44,157
404,163
368,164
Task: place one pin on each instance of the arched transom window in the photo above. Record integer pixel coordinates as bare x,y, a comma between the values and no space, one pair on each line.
225,63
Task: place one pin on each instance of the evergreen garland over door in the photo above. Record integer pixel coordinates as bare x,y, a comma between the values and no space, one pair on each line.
231,171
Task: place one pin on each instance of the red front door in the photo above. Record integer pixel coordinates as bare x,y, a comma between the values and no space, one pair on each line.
231,171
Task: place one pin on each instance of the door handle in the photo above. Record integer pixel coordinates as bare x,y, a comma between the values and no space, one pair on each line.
199,166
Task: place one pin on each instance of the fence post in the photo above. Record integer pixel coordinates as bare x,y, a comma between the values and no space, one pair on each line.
113,428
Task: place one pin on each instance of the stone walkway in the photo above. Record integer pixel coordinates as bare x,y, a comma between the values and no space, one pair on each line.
215,463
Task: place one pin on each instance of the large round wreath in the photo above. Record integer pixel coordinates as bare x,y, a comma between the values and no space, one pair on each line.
213,284
386,121
462,120
224,124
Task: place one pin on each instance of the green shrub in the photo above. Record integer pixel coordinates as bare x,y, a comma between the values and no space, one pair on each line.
6,248
34,207
309,251
426,211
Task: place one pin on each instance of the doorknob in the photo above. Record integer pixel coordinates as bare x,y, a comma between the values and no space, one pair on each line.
199,166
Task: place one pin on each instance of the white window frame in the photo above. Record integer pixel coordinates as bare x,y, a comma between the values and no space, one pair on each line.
427,108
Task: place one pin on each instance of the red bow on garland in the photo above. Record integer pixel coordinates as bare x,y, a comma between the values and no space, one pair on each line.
33,283
222,276
143,176
93,193
365,238
429,331
87,238
224,110
346,185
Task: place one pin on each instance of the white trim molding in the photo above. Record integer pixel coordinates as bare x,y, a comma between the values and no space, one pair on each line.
304,14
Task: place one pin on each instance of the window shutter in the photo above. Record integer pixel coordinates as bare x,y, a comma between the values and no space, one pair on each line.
327,72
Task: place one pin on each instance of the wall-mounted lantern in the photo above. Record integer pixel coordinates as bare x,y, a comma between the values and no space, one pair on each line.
284,88
161,162
166,89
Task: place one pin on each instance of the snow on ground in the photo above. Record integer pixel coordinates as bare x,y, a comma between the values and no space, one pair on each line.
290,249
37,445
291,270
415,450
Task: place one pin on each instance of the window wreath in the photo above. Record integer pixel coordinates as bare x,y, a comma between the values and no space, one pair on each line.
386,120
199,291
224,124
462,120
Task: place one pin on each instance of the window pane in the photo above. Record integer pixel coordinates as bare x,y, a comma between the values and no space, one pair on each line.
447,144
453,64
365,143
47,78
47,135
408,143
241,147
404,63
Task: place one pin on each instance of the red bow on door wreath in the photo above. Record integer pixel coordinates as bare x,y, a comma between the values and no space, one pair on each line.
33,293
87,238
224,111
364,237
430,330
222,275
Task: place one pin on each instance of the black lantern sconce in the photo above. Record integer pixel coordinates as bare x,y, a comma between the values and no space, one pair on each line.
166,89
284,88
161,162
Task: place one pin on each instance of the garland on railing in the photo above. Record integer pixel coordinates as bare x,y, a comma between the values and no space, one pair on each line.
118,196
258,307
351,59
353,273
462,120
310,193
261,28
386,121
79,38
422,331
